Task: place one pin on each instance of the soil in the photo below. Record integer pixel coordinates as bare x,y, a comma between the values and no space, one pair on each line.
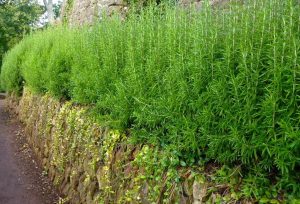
22,180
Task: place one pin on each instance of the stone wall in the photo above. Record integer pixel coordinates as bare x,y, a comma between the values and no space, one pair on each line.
93,164
79,12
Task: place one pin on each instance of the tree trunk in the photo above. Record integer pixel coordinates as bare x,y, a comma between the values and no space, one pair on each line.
49,7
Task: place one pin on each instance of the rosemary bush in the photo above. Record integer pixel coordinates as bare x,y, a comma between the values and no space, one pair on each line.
216,84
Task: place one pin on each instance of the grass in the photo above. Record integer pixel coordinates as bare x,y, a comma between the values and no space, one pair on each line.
217,84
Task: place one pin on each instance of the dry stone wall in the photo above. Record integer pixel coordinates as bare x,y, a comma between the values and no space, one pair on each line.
93,164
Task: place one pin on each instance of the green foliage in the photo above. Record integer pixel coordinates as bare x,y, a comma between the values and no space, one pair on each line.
11,79
217,85
57,9
16,19
144,3
67,8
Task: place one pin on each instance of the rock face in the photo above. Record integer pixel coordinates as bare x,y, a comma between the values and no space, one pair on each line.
80,12
83,11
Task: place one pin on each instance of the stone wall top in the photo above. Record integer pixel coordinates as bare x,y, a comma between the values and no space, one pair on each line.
80,12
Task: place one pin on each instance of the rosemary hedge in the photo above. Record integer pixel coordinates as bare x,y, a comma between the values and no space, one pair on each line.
214,85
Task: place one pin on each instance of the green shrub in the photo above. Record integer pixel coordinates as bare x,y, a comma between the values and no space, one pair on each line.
11,79
217,84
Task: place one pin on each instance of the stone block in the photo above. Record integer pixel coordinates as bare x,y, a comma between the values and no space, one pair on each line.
199,192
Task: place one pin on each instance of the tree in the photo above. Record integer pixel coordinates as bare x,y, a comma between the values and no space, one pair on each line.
17,18
57,9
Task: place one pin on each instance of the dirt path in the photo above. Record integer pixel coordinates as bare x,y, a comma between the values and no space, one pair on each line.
21,178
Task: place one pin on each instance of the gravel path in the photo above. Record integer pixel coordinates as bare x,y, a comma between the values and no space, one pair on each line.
21,178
